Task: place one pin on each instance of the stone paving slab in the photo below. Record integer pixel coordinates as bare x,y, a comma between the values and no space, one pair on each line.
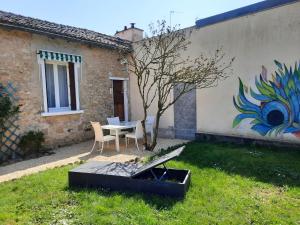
79,152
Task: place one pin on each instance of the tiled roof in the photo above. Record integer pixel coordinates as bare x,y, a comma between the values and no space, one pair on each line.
62,31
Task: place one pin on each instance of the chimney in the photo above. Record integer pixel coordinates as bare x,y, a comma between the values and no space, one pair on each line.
130,34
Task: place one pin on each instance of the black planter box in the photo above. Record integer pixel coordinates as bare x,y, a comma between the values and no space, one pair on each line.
146,178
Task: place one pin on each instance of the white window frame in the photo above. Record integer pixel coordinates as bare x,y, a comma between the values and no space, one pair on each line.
59,110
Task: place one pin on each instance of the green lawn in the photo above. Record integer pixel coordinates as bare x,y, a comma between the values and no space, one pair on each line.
230,185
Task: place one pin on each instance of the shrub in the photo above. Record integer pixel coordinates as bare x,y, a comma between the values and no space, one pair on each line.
31,142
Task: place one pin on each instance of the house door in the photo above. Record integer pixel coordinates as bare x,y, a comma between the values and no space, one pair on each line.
118,95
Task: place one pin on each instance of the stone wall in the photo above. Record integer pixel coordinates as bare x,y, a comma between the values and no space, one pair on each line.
19,65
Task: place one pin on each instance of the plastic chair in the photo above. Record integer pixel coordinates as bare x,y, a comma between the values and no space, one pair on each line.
137,134
99,137
150,123
115,121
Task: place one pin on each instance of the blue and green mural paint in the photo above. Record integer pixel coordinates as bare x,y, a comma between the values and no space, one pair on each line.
275,106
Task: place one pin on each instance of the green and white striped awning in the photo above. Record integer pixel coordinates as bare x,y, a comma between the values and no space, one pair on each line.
57,56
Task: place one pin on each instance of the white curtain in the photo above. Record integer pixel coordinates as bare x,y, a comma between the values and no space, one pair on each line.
63,85
50,85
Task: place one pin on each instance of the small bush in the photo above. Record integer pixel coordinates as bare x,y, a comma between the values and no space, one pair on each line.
31,142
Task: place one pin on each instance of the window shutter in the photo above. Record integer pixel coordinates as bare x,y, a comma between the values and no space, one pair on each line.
72,85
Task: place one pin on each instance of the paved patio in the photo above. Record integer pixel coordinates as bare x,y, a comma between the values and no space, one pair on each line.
79,152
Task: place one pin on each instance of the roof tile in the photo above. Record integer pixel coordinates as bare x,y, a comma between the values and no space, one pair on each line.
63,31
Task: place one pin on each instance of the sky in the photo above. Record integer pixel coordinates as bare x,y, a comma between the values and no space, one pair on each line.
111,15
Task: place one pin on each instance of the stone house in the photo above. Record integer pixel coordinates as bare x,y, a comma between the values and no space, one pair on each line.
64,76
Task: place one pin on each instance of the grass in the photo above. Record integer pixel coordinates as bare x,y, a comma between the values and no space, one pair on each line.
230,185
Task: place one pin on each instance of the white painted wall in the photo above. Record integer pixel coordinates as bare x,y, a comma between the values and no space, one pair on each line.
254,40
167,120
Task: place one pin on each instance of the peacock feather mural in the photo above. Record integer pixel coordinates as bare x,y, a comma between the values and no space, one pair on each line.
275,107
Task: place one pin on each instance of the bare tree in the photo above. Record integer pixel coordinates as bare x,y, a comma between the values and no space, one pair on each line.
159,65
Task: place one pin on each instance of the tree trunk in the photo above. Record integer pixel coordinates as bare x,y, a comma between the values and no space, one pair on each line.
145,142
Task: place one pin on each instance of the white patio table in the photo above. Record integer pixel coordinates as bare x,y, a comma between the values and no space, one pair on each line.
118,128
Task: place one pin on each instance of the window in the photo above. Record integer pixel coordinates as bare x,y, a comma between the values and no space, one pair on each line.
57,87
60,74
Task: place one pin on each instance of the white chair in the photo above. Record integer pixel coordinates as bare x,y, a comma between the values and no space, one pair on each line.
115,121
137,134
99,137
150,123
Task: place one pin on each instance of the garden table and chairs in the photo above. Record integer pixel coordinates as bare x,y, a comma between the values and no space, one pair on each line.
118,129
